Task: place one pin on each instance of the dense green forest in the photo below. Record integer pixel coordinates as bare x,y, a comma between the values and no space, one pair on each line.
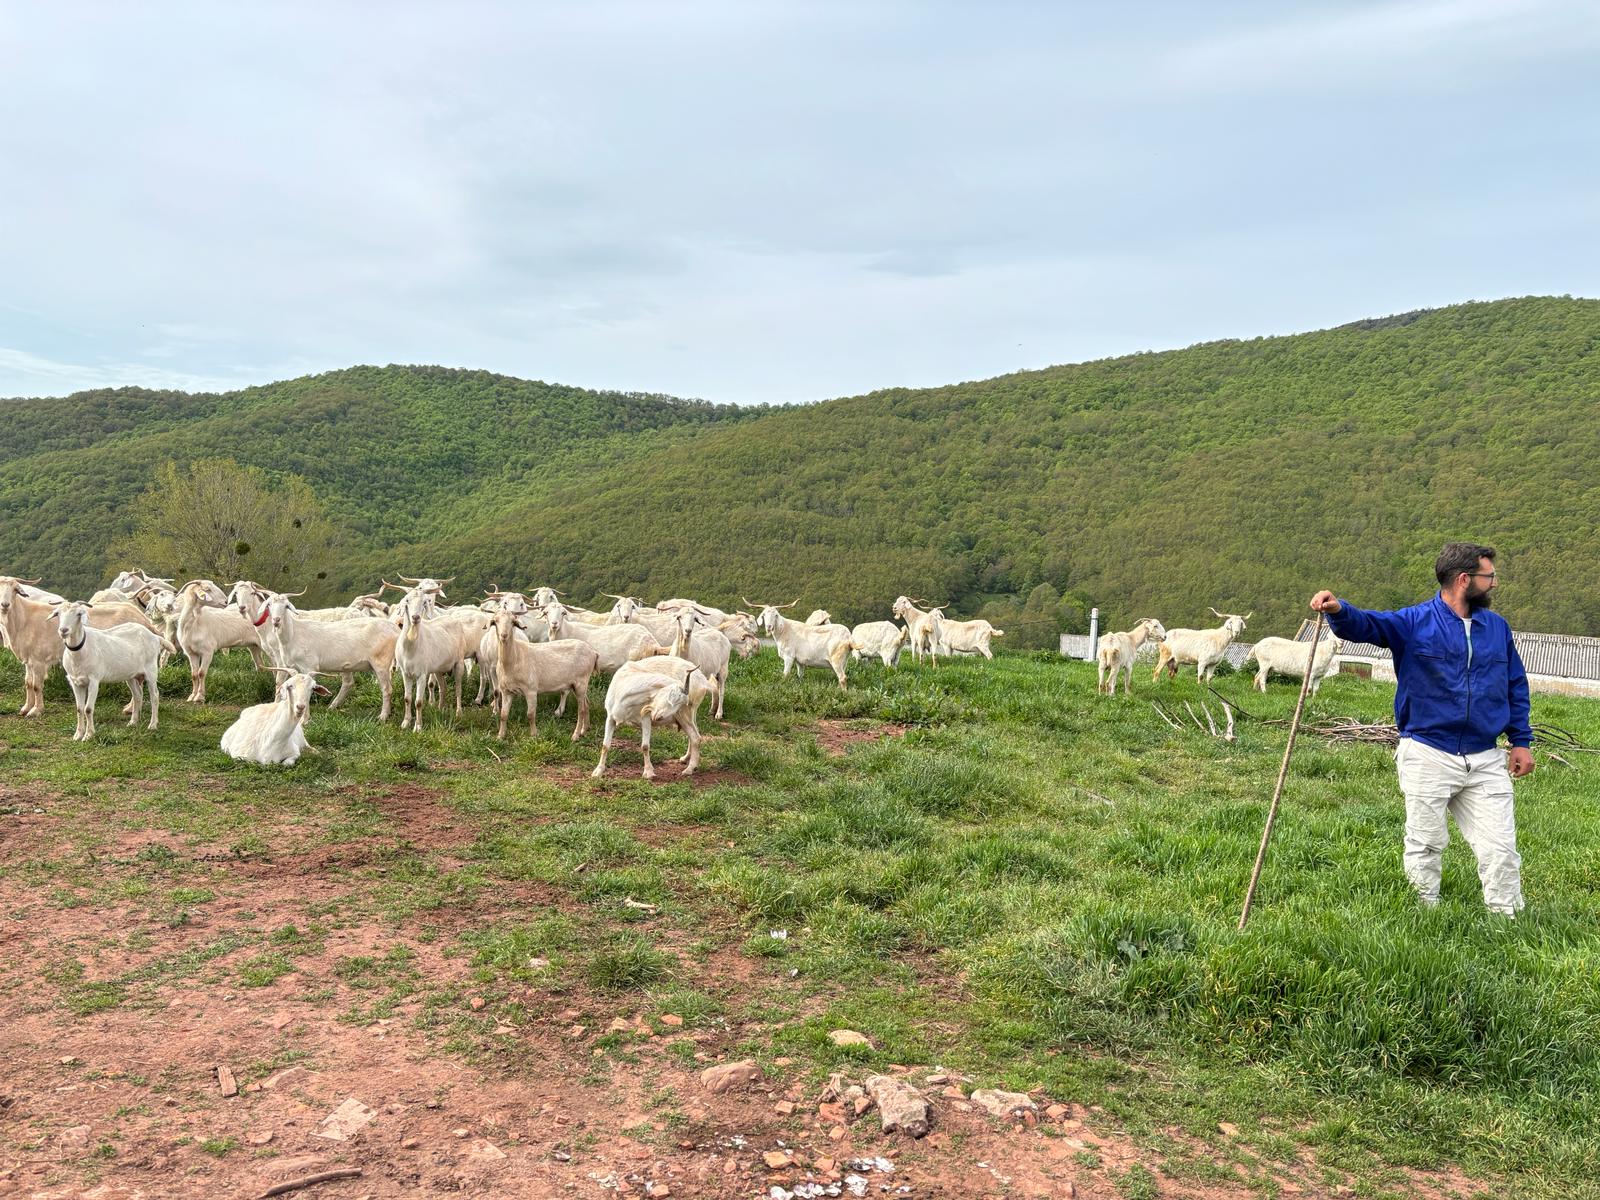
1240,474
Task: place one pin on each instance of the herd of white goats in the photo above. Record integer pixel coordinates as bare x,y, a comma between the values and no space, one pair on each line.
663,660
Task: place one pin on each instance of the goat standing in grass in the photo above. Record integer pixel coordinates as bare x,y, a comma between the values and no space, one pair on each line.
1205,648
128,654
1289,658
1116,652
657,690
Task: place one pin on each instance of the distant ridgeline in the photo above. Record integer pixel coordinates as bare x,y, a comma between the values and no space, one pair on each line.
1240,474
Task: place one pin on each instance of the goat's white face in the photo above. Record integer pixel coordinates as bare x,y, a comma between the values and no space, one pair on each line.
667,701
625,609
128,581
543,596
412,610
71,621
273,614
10,589
902,605
1158,632
1234,624
769,618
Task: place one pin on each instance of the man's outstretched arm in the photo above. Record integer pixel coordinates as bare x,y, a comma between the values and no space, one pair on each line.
1354,624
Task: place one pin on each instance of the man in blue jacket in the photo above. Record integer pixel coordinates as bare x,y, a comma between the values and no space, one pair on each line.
1460,684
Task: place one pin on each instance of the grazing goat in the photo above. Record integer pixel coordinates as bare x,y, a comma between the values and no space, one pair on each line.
657,690
523,668
1205,648
922,627
274,734
203,628
337,648
1116,653
26,630
801,645
1289,658
883,638
125,653
965,637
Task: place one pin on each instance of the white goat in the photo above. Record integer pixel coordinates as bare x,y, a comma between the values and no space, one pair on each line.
1288,657
428,646
274,734
883,638
616,644
708,649
630,611
26,630
820,616
523,668
801,645
1205,648
338,648
203,628
965,637
709,616
922,627
126,653
1116,652
658,690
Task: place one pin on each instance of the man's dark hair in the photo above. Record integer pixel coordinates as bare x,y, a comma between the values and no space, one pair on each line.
1457,557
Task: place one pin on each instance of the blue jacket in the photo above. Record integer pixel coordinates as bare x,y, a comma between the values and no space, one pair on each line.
1444,697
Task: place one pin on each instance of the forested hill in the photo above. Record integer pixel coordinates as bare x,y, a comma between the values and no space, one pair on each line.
1240,474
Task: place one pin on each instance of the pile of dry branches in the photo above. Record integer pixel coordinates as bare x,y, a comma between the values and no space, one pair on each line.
1552,739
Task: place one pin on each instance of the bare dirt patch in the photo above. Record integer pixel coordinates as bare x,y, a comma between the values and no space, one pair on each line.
837,736
115,1020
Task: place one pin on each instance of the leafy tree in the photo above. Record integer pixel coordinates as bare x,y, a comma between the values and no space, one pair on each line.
213,518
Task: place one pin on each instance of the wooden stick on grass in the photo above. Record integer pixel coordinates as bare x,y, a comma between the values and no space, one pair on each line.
1283,773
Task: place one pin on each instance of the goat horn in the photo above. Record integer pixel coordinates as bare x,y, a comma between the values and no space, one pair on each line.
1250,614
291,595
791,603
442,582
1215,613
408,579
749,603
30,581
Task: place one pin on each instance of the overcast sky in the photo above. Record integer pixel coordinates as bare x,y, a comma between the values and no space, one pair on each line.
767,202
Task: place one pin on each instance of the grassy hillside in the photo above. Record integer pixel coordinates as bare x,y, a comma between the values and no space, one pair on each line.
1239,473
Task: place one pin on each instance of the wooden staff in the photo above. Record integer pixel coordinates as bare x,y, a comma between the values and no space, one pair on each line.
1283,773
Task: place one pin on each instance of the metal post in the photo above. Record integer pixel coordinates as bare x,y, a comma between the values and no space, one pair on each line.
1094,634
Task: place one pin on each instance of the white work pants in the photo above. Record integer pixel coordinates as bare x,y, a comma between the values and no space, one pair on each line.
1475,789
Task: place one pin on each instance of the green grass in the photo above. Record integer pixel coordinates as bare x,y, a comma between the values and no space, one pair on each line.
1034,885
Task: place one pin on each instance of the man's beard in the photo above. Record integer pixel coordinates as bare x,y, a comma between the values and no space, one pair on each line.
1477,600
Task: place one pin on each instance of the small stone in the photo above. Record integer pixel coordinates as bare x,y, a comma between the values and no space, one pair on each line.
1004,1104
953,1090
344,1122
259,1137
290,1077
860,1104
431,1104
69,1060
833,1113
576,1031
461,1132
478,1002
75,1138
1227,1129
483,1150
775,1159
785,1107
619,1025
658,1190
1056,1111
409,1143
848,1037
725,1076
280,1020
674,1020
823,1166
395,1107
226,1082
900,1106
837,1133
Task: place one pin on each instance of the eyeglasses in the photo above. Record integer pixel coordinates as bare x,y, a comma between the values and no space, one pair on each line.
1480,574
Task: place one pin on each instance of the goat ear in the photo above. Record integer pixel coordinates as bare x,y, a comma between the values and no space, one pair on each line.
318,690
